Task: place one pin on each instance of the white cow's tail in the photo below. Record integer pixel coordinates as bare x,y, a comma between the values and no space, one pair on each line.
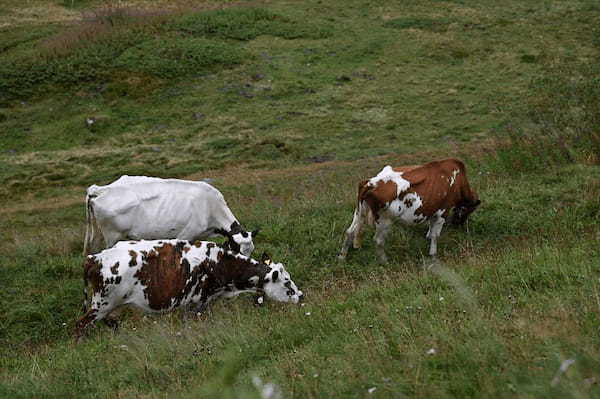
92,230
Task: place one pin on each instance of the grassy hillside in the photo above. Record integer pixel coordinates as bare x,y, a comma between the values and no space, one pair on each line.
286,105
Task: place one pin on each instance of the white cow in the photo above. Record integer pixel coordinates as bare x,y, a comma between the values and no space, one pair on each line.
148,208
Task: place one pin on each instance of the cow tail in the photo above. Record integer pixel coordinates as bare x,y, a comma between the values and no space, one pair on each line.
91,228
362,208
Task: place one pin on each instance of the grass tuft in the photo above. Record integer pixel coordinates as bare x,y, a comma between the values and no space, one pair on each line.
247,24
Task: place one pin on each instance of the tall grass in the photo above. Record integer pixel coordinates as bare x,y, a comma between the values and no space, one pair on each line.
562,122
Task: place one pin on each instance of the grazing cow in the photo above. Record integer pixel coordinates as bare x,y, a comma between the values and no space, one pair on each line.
412,194
140,207
161,275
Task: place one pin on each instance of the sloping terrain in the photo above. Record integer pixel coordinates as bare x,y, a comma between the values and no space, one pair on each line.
286,106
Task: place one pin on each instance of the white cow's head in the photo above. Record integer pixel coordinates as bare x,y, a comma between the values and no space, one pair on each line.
238,239
278,284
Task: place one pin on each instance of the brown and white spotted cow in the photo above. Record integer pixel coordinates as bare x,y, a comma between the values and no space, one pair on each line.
161,275
412,194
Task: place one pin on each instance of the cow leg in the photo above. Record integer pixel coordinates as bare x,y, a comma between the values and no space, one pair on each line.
435,228
351,234
90,317
359,225
86,320
382,228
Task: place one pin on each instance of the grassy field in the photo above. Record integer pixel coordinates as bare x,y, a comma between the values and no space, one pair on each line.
287,105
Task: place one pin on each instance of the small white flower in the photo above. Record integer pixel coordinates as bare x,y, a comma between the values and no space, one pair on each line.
441,298
431,351
315,375
307,313
371,390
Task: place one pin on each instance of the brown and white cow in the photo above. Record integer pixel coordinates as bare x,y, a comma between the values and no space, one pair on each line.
412,194
161,275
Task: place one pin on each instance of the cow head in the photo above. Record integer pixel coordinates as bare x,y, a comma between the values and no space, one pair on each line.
238,239
277,283
461,212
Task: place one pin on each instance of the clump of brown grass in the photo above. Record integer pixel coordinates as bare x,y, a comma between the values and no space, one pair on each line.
107,23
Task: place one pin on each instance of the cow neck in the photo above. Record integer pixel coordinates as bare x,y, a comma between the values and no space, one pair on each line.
237,269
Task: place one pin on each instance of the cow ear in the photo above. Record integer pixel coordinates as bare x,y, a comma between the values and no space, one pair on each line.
255,233
275,276
266,259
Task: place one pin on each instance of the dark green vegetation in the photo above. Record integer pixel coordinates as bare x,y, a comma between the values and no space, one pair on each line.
287,105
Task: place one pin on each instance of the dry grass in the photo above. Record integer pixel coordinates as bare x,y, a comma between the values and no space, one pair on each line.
35,13
114,18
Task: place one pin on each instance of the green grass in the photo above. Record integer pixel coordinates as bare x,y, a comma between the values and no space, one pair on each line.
287,106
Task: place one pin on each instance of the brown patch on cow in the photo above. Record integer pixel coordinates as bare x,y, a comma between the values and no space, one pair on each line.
115,268
166,277
93,274
197,243
229,272
236,270
133,260
432,181
377,196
